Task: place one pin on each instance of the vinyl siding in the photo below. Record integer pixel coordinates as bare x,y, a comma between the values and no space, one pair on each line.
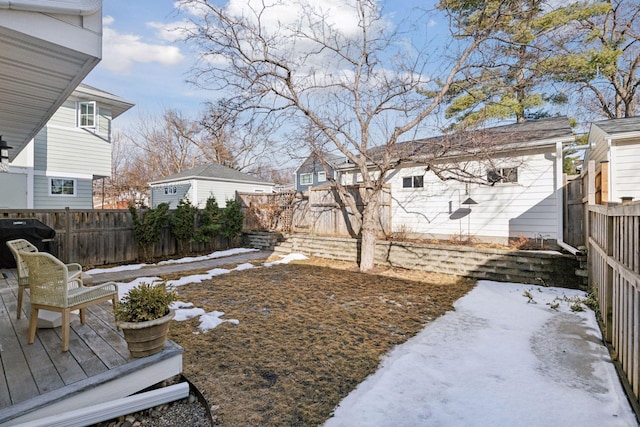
224,191
42,200
183,190
505,210
626,171
61,146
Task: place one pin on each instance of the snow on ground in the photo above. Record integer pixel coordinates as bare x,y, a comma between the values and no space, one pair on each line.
505,357
213,255
185,310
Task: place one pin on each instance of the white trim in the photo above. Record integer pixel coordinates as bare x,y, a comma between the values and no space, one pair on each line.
79,114
324,174
58,174
113,409
310,175
75,187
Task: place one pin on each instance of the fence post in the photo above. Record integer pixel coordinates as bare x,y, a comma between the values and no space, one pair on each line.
67,245
608,285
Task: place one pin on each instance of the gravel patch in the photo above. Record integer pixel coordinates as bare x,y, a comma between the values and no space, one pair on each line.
190,411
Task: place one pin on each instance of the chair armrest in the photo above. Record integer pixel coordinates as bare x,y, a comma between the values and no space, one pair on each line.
74,283
74,269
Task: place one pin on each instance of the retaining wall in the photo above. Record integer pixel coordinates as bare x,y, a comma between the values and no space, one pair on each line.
532,267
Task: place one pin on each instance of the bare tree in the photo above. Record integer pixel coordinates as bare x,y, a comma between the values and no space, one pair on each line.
343,72
600,57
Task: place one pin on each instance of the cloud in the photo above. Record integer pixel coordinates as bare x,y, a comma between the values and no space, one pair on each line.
121,51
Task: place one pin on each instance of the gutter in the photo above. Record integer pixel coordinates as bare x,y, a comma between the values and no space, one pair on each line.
65,7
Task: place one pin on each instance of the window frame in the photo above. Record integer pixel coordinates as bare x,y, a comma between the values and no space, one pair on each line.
80,115
324,176
416,181
74,182
170,190
304,177
506,175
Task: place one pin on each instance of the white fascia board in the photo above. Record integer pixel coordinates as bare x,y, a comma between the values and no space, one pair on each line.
65,7
56,31
200,178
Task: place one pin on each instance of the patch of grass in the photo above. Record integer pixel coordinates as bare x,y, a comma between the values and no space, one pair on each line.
308,335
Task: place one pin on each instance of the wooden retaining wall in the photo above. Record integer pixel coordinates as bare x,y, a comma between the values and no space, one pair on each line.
533,267
99,237
614,272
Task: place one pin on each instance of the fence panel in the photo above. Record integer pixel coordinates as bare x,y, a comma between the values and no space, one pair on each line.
614,272
98,237
318,211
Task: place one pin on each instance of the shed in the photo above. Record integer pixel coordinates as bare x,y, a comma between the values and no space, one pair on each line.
201,182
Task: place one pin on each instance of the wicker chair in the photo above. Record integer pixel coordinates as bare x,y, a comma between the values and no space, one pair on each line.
17,245
49,290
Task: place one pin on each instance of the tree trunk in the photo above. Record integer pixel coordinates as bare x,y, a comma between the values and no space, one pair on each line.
370,215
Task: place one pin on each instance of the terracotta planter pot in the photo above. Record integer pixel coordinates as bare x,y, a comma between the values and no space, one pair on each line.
148,337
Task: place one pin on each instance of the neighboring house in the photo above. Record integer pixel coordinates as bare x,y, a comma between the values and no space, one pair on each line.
520,194
57,167
311,172
611,162
200,183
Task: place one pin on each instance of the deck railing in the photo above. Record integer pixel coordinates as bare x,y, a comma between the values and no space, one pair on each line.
614,272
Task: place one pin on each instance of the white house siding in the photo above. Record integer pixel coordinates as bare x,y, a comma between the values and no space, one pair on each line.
13,191
625,171
225,190
42,200
527,208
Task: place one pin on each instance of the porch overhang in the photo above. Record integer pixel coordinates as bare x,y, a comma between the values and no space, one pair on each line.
46,49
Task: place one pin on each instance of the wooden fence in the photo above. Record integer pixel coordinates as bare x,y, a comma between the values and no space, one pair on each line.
317,211
99,237
614,272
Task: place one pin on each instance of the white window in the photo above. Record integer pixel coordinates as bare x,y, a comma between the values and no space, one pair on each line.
306,179
62,187
87,114
322,176
171,190
416,181
502,175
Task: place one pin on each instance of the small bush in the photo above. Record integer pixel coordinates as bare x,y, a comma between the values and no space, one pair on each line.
183,225
145,302
148,227
232,220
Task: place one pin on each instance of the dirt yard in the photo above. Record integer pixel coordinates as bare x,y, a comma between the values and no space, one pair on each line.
309,333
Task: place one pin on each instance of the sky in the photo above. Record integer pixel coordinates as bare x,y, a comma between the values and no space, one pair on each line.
144,63
508,355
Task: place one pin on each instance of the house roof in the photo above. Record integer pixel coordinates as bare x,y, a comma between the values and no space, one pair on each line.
332,159
519,135
118,105
213,172
617,126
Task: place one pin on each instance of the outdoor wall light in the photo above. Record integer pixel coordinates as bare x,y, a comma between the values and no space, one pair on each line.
469,202
4,155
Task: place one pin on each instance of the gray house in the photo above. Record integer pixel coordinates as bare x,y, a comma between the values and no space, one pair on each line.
57,167
200,183
311,172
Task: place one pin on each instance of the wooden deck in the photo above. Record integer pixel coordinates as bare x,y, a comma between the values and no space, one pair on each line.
39,379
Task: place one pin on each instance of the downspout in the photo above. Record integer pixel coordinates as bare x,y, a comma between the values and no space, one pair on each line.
560,202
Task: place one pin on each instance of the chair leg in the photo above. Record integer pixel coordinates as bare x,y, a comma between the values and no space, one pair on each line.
20,295
82,316
65,329
33,323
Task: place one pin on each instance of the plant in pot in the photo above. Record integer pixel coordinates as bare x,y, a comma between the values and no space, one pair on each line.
144,315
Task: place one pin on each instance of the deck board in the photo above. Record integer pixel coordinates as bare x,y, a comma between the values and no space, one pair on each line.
39,379
34,369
